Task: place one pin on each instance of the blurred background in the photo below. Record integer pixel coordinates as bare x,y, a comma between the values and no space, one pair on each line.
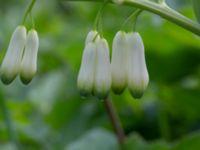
49,113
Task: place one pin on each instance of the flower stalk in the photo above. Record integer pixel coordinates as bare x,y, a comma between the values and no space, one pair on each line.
114,118
29,9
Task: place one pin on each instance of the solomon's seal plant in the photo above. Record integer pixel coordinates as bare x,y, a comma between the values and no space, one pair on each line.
21,56
128,64
97,75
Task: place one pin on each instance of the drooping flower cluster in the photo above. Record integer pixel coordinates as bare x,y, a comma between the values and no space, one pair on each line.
128,66
95,73
21,56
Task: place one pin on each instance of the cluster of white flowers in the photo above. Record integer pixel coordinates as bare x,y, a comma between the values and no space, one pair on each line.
127,68
21,56
128,64
95,72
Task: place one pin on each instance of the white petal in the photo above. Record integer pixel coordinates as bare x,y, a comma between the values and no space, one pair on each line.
119,62
138,77
11,63
103,70
29,60
92,36
86,74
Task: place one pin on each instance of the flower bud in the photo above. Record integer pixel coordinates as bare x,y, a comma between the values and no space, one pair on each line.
86,74
119,62
29,60
11,63
102,82
138,77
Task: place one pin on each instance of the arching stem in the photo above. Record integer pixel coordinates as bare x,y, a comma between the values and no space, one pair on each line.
160,9
29,9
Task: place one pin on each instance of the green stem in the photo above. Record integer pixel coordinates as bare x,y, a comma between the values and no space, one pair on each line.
29,8
98,20
134,16
161,10
8,122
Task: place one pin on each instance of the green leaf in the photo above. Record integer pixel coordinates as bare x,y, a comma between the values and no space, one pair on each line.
196,6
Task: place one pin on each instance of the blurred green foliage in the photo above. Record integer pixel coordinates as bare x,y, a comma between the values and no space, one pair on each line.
49,113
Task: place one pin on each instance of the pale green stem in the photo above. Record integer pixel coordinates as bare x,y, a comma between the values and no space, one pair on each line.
161,10
29,9
134,16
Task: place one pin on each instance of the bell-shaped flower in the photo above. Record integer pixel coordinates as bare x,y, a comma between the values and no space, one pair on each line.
86,74
102,82
11,63
119,62
138,77
29,61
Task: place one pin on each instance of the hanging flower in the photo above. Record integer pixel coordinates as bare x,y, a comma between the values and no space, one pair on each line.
119,62
86,75
138,77
95,72
102,83
11,63
29,60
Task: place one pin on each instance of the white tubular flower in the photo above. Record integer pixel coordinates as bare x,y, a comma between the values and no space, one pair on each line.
29,60
102,83
138,77
119,62
86,74
11,64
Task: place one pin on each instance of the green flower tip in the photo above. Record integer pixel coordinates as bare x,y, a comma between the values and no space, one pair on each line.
7,79
118,89
25,80
137,94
